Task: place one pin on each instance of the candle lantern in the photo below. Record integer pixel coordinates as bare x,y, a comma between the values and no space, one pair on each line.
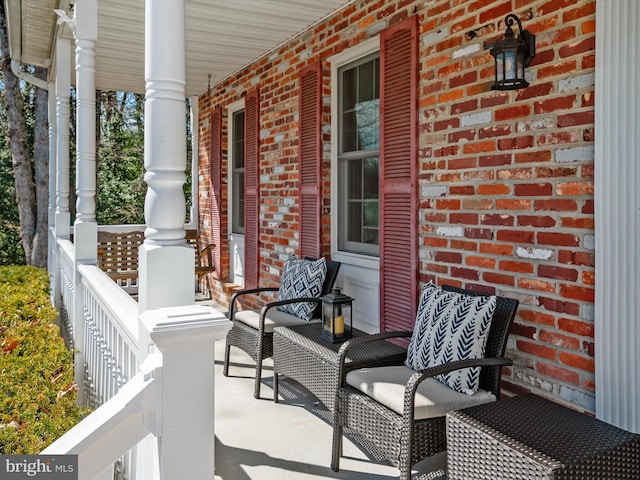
336,316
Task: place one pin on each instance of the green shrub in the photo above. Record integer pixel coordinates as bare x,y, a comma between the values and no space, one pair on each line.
38,400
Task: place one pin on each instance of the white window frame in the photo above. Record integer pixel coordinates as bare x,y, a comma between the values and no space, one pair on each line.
350,55
231,109
234,238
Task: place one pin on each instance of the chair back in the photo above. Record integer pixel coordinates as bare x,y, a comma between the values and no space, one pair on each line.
501,321
329,281
330,278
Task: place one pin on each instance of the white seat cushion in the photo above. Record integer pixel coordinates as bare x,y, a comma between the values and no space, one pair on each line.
386,385
274,318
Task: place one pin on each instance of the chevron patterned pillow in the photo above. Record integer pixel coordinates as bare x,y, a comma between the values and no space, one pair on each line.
301,279
450,326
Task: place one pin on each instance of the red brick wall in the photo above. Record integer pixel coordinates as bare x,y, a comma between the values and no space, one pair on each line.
506,178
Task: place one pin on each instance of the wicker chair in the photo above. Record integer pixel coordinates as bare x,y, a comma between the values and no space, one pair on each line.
403,439
258,342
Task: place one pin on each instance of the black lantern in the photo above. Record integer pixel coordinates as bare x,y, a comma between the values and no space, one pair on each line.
336,316
512,55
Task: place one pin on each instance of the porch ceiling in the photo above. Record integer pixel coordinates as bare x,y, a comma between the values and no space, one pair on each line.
221,35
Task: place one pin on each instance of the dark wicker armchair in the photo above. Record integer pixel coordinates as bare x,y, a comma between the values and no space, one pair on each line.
403,439
255,335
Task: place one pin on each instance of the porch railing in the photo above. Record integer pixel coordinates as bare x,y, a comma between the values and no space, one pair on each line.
134,370
111,342
63,285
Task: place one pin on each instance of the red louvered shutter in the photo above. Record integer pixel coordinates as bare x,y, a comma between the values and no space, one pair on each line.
216,184
310,163
251,189
398,176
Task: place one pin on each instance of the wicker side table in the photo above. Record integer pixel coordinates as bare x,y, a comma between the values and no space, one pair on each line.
529,438
300,353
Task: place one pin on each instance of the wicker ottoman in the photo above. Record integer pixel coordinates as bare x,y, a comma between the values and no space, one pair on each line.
529,438
300,353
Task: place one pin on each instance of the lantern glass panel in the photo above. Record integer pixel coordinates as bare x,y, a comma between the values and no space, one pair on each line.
499,68
327,318
521,65
510,65
343,321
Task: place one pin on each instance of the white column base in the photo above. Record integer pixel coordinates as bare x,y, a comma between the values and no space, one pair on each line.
185,336
166,276
86,242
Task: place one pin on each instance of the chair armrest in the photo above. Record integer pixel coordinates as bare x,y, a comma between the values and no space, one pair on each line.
289,301
249,291
418,377
205,262
277,303
206,253
346,346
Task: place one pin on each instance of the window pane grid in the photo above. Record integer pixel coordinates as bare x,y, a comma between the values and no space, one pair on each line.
237,171
360,107
359,135
362,212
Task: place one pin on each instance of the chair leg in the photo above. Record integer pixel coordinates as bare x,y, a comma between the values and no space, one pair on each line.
227,351
256,389
404,473
336,449
405,460
275,387
259,358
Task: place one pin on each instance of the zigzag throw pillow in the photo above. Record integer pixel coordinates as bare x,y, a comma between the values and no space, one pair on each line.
450,326
301,279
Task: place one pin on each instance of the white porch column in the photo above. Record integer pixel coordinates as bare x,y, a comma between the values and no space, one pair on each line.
617,213
52,264
166,272
85,227
63,89
194,215
62,216
53,141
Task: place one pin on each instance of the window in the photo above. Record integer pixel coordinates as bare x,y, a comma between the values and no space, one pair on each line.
358,156
237,172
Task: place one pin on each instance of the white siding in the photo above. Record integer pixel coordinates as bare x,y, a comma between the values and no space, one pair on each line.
617,213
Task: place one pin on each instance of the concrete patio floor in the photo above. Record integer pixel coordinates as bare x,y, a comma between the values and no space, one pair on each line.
263,440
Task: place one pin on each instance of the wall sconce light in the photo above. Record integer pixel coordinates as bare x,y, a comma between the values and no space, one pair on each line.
512,55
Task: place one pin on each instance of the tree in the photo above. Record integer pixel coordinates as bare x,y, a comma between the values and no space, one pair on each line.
30,166
11,252
120,158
